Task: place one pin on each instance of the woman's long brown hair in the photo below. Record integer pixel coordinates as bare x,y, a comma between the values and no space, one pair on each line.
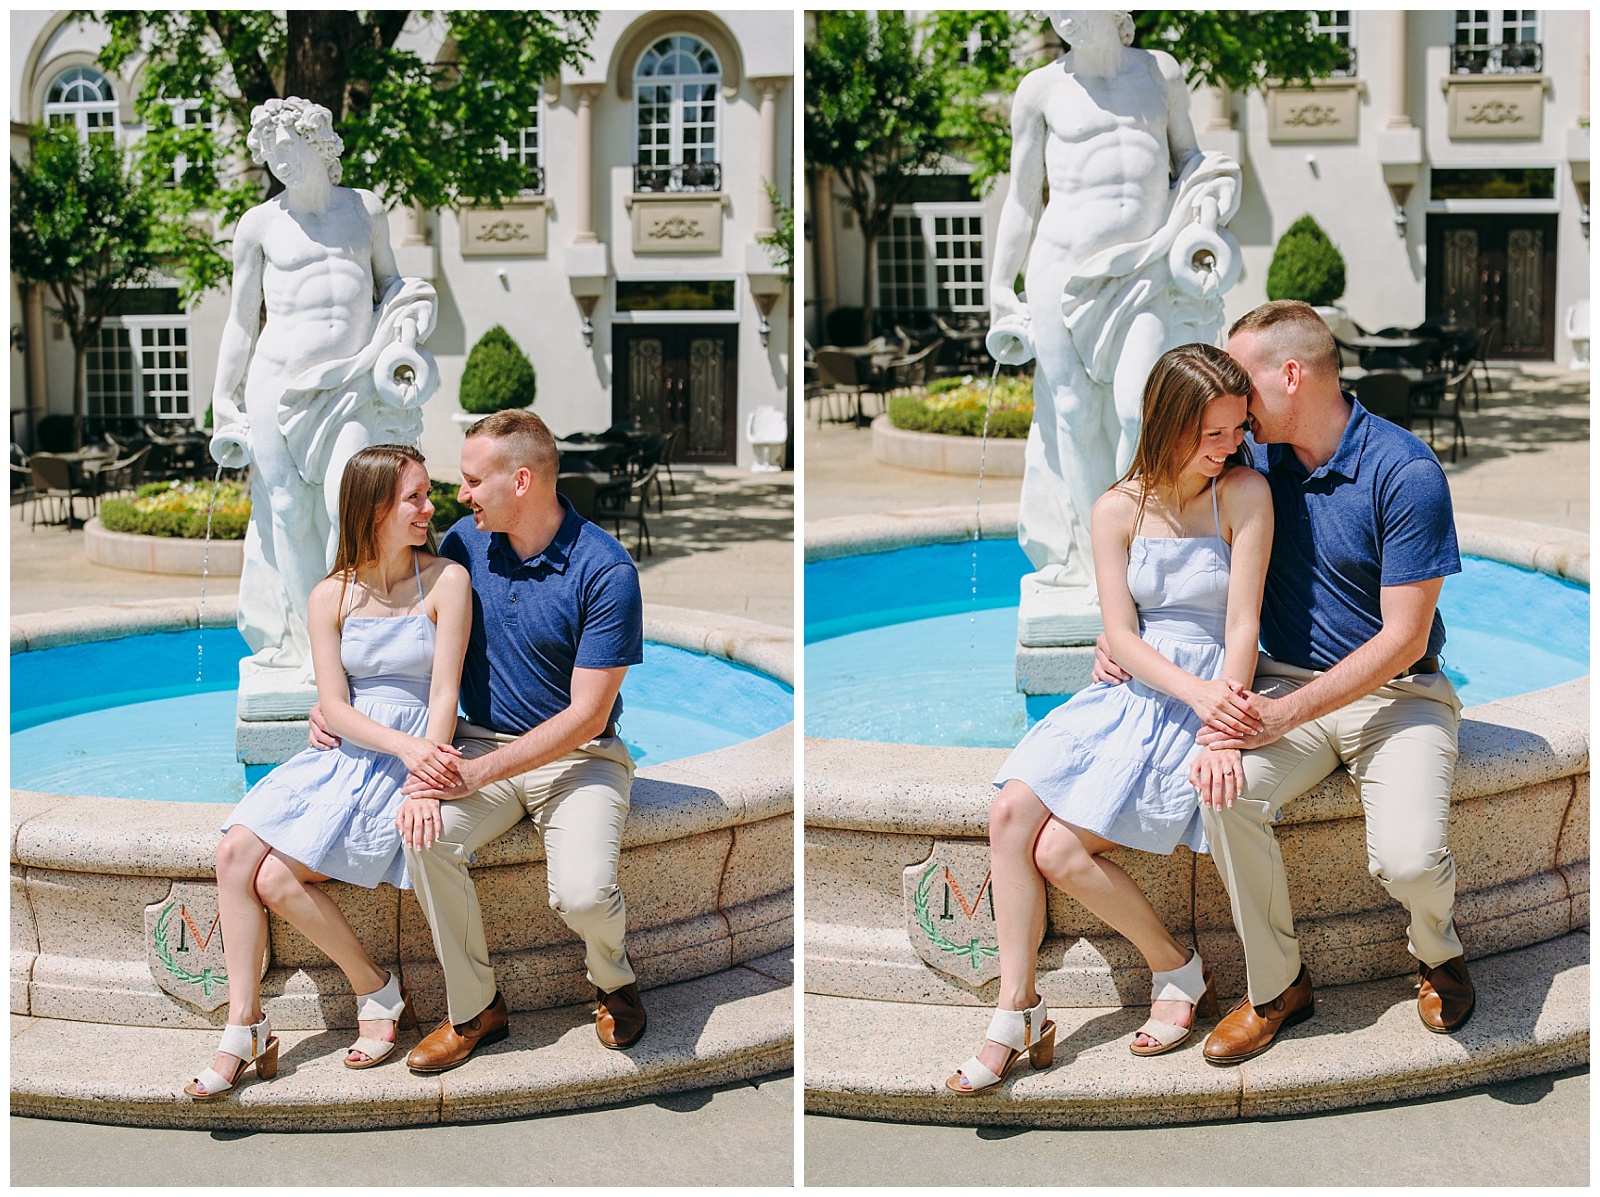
1183,381
367,494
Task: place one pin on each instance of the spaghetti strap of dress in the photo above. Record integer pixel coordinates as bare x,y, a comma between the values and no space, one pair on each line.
416,564
1216,519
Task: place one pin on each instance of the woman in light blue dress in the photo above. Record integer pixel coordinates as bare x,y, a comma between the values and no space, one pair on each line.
1181,544
389,628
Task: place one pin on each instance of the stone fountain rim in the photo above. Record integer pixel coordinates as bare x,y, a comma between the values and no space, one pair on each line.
744,783
929,790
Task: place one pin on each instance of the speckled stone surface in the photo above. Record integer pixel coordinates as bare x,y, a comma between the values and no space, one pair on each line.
734,1025
78,625
877,532
1550,550
1062,669
1365,1045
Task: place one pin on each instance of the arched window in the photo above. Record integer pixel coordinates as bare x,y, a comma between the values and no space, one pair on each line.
676,84
82,96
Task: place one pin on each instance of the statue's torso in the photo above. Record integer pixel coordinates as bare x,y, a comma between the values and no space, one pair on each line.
1106,158
316,283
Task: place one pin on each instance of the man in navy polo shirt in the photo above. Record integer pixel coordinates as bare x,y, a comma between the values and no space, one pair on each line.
1364,537
557,619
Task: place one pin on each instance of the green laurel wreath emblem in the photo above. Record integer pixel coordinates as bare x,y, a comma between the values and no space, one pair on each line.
975,951
206,978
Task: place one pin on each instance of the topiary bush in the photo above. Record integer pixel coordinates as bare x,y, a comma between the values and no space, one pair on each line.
1306,266
179,509
956,408
498,375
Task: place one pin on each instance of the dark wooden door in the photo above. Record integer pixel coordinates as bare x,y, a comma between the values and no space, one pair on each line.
668,375
1488,269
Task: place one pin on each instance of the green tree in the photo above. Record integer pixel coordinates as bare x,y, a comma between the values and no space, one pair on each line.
83,226
873,102
497,375
414,131
985,54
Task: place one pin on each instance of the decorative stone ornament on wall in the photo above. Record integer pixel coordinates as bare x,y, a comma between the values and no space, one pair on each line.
677,223
949,901
1496,107
518,230
1328,110
183,940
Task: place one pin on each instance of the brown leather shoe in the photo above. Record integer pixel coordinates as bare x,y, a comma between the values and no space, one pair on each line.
1445,997
448,1046
619,1017
1247,1030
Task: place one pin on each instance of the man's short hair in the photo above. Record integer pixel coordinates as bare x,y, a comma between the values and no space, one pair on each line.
524,439
311,121
1292,329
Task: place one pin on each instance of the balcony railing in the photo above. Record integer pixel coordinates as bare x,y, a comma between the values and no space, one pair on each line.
688,176
1512,58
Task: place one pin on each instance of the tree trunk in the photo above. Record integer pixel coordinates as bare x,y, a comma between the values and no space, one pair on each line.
80,350
868,239
317,56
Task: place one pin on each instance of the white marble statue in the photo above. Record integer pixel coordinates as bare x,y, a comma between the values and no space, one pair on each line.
1129,259
337,366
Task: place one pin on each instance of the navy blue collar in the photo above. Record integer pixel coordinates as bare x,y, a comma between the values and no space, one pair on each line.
1346,459
556,554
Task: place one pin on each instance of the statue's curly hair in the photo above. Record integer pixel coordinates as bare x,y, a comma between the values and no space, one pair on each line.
311,121
1124,20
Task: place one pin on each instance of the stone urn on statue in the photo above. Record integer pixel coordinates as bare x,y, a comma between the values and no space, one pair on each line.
1129,258
336,365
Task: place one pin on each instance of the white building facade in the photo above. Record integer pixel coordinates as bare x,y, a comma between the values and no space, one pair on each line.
1449,164
628,270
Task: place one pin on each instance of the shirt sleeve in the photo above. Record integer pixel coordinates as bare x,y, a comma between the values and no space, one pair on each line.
1419,526
612,632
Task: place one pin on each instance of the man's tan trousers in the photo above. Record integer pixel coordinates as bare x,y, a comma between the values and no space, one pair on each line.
579,804
1399,745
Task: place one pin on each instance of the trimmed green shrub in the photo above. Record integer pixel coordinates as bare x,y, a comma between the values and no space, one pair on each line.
179,509
956,408
447,509
498,375
1306,266
847,326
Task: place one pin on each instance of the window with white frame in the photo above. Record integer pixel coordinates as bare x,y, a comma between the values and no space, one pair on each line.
187,115
83,97
529,150
1338,26
138,368
932,260
677,116
1497,41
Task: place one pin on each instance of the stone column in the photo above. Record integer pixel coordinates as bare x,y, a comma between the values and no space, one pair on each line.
1583,91
1220,119
38,329
767,159
1399,74
416,227
586,94
822,216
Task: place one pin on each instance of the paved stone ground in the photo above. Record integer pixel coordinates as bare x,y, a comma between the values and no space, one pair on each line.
724,543
1528,459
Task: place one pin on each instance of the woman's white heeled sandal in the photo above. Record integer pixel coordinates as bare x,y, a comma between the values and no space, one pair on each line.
254,1044
389,1003
1192,984
1024,1032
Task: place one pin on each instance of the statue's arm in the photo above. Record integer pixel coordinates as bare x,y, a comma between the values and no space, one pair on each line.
385,273
230,440
1024,201
1182,143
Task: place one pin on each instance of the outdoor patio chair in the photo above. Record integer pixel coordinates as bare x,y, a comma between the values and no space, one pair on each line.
1488,343
21,481
631,506
916,369
669,450
582,492
125,474
1386,393
836,370
646,459
52,480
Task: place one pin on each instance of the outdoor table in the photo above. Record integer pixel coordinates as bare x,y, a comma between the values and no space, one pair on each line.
1425,384
1373,341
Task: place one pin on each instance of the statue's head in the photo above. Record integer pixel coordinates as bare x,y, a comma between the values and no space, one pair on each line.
1080,25
282,131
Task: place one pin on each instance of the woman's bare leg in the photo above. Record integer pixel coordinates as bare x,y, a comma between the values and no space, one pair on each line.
291,890
1071,859
1015,818
244,930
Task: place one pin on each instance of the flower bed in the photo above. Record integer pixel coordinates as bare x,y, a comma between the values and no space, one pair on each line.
955,407
179,509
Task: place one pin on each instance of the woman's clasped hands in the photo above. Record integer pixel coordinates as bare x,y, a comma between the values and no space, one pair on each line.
434,763
1224,705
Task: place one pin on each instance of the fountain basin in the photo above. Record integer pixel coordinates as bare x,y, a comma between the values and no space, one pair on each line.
940,454
707,869
876,812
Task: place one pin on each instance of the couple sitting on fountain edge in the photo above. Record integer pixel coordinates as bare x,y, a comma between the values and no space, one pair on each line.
530,616
1330,553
